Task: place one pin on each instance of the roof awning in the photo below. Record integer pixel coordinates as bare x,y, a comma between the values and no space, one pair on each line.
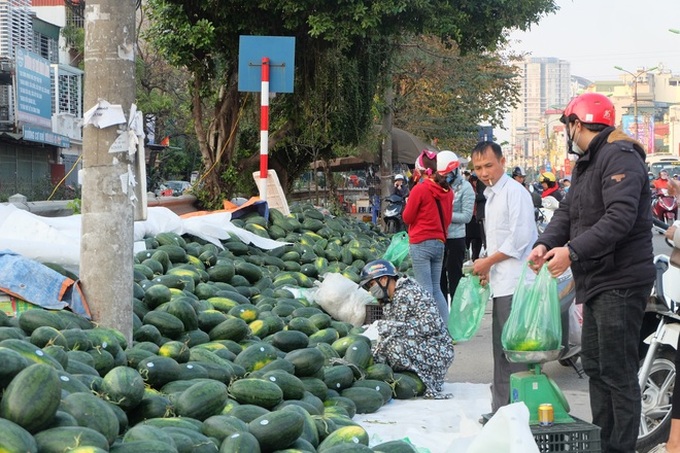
11,135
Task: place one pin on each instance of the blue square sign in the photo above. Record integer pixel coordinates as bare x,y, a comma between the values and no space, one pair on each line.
281,53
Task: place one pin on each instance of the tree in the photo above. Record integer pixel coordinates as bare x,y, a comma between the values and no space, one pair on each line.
343,51
445,95
162,93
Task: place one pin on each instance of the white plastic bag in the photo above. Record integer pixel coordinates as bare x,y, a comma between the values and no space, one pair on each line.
575,323
343,299
506,432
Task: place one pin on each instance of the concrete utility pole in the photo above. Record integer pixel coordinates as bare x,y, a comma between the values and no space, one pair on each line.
106,251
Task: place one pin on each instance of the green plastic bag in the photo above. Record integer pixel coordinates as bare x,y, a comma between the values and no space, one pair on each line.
398,249
534,323
467,308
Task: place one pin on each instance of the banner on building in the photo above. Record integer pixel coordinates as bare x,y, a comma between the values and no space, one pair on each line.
33,85
642,130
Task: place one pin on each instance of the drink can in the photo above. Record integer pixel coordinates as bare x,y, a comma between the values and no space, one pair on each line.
546,415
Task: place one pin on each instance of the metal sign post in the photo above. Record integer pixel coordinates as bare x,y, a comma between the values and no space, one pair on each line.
275,57
264,128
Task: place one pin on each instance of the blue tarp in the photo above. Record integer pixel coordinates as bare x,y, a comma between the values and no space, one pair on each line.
40,285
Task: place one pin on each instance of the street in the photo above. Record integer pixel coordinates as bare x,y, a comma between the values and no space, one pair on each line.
473,362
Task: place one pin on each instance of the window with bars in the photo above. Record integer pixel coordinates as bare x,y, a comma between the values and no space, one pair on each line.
67,87
46,47
74,21
15,26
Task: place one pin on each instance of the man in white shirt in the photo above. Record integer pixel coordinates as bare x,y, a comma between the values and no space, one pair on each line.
510,235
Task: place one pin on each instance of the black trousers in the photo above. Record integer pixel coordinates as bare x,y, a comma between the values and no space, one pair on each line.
609,355
452,271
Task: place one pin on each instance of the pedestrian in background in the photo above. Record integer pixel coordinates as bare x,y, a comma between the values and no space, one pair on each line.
550,186
400,186
519,175
603,231
474,229
427,214
566,184
454,253
510,234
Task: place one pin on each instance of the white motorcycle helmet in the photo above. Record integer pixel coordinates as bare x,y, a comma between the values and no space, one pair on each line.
399,176
447,162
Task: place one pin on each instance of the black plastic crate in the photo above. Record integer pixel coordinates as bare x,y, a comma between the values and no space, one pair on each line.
579,436
373,313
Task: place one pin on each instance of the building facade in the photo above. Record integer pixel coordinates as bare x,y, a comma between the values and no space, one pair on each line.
654,96
40,104
545,85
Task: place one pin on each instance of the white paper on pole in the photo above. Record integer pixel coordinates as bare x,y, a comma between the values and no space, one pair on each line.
121,144
104,115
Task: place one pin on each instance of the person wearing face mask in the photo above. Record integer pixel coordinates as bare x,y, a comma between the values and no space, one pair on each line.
550,186
463,206
661,182
603,231
413,337
428,214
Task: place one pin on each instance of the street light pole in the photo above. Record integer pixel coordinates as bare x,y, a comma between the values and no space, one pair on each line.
635,92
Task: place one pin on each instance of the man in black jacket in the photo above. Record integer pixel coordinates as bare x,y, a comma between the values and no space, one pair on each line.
602,229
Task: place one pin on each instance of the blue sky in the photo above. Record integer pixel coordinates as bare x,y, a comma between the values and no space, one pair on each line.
596,35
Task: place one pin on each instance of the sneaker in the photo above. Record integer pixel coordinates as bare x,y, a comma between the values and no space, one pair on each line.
661,448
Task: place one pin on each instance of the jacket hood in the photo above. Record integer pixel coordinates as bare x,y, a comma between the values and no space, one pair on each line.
619,135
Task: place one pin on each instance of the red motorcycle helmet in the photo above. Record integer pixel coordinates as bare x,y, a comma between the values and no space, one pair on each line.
590,108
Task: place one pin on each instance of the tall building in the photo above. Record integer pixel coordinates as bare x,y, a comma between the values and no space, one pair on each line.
545,86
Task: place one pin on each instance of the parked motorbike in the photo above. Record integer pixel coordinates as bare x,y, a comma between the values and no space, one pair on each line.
664,206
545,212
394,207
660,331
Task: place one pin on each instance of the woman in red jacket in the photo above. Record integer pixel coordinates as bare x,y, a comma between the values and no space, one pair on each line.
428,214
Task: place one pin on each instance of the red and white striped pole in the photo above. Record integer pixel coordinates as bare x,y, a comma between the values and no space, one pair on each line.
264,128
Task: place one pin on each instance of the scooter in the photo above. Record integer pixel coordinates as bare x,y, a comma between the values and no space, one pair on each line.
659,334
664,207
545,212
392,215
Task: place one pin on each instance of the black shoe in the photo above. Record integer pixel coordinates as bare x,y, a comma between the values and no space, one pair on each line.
485,418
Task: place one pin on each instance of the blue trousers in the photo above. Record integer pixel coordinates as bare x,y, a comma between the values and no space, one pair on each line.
428,258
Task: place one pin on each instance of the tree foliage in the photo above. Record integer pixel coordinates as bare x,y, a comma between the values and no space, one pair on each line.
441,94
342,52
162,94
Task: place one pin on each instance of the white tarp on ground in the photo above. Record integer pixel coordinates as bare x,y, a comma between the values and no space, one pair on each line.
57,239
434,426
452,425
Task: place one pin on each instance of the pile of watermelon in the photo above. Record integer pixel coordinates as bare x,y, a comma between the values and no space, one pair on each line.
227,353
